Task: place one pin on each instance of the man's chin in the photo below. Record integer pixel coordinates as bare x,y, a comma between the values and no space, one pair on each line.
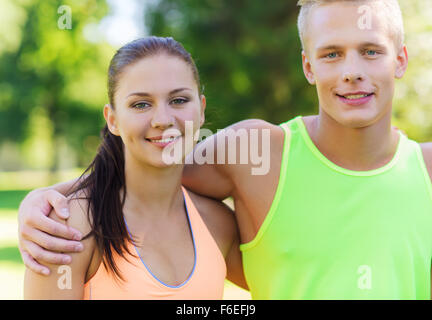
356,120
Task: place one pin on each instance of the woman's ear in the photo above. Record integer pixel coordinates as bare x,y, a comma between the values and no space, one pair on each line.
203,106
110,118
307,69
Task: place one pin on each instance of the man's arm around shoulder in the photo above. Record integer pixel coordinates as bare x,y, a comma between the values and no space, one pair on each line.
215,178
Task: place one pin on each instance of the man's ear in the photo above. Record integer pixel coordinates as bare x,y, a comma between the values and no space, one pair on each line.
307,69
110,118
402,62
203,106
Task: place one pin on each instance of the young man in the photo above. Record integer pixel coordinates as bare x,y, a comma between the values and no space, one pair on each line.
345,211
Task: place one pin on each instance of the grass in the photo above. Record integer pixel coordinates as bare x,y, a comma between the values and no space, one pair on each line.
9,199
11,266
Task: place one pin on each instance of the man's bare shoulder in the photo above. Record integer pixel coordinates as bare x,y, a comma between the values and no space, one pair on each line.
249,128
254,124
427,156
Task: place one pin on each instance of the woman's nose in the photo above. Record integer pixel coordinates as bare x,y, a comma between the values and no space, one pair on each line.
162,118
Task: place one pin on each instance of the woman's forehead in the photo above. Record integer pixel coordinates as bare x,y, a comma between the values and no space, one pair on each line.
155,75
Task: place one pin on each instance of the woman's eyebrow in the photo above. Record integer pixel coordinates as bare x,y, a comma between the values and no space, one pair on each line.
145,94
140,94
178,90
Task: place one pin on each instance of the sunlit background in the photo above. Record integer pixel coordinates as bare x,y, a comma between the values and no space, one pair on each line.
53,83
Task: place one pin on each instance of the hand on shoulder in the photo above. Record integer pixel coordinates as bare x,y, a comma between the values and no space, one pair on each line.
47,287
79,217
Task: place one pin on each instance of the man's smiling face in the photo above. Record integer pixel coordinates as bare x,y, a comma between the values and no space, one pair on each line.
353,68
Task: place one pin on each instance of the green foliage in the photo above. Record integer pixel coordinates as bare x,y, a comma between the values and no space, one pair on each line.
413,100
248,54
56,70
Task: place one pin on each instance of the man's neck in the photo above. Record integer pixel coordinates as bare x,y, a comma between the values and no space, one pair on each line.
357,149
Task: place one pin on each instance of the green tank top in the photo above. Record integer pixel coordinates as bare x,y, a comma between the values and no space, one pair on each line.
333,233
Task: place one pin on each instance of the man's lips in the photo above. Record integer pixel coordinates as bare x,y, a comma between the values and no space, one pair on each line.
356,98
355,95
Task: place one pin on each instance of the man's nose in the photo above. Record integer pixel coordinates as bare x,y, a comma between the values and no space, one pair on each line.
353,70
352,76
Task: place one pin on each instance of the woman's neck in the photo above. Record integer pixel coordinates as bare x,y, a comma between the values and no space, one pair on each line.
151,190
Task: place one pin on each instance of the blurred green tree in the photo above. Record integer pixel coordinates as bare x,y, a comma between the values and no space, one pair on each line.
413,97
54,78
248,53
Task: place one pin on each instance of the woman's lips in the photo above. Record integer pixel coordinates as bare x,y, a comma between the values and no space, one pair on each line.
356,99
162,142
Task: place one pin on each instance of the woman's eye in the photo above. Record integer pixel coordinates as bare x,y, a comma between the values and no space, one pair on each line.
179,101
371,52
141,105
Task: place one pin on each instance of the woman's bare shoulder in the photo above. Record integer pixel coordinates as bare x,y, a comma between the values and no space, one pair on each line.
46,287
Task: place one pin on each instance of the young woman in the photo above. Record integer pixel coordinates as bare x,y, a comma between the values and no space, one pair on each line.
147,236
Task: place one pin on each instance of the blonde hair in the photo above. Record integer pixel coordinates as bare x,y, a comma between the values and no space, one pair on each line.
391,8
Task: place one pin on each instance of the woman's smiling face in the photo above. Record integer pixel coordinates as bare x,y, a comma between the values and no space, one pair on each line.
155,94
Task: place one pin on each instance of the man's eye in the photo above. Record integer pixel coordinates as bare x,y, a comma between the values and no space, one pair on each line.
371,52
332,55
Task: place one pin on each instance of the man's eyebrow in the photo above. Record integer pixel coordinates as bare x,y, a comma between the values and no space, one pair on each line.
330,47
145,94
361,45
371,44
